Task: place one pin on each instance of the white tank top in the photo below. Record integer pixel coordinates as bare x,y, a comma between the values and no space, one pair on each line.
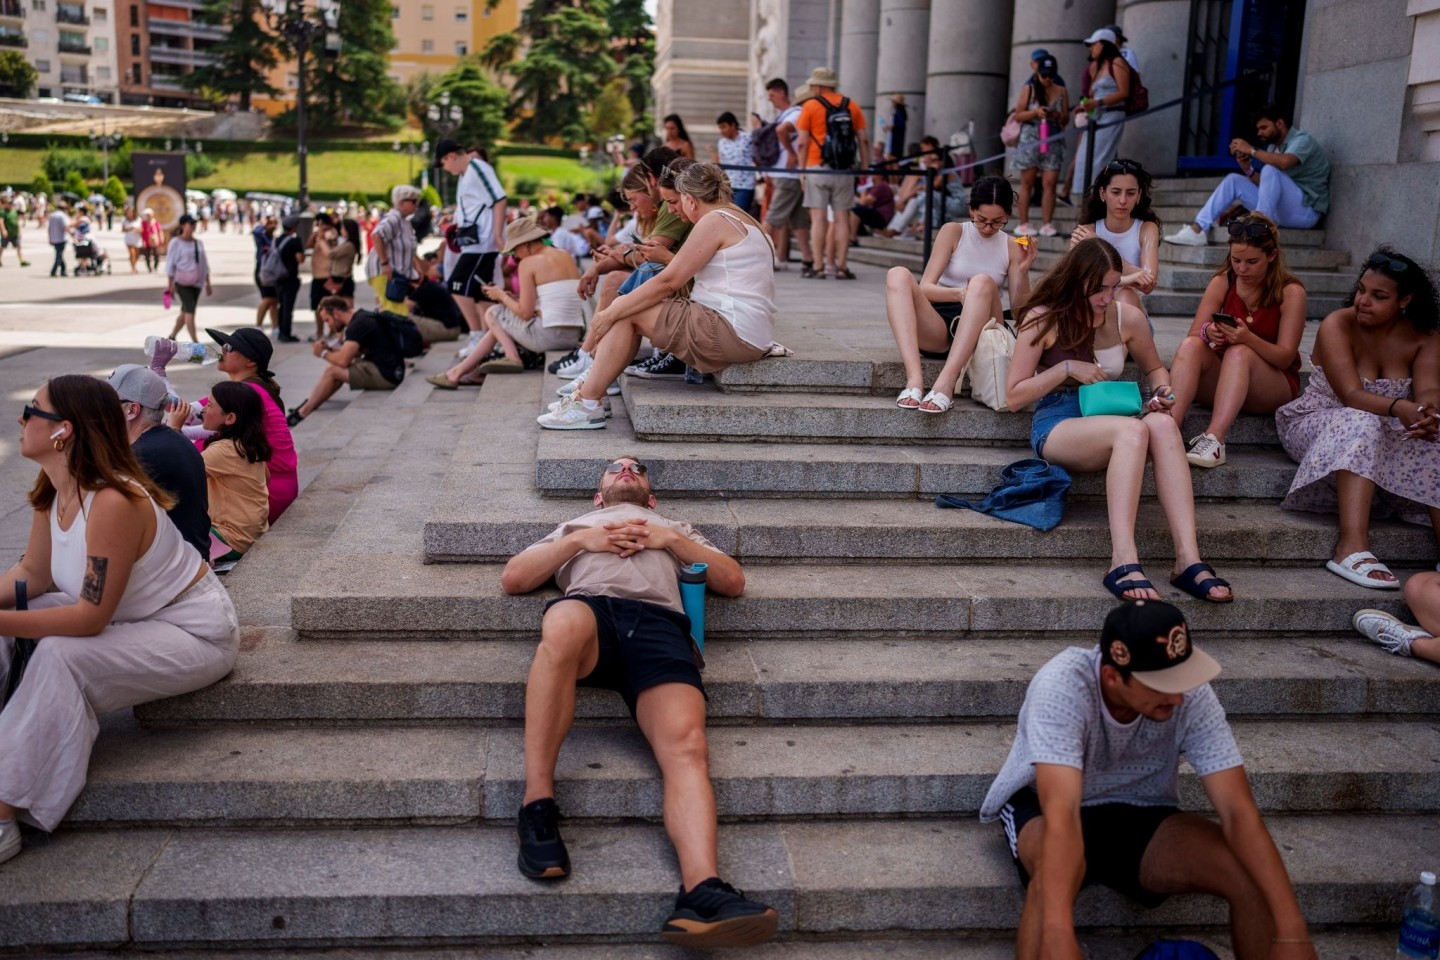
157,578
975,255
739,284
1127,243
559,304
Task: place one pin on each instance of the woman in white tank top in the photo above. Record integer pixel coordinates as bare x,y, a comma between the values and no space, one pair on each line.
1117,210
960,291
138,614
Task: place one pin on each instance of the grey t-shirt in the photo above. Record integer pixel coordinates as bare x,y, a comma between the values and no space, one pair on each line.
650,575
1064,721
1312,173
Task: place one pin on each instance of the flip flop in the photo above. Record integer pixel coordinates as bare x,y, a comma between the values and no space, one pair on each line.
937,398
1189,581
442,381
1357,569
909,399
1113,584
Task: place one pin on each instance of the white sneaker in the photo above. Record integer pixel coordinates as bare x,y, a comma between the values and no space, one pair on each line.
1024,230
566,389
1186,237
573,415
1205,451
575,368
1385,629
604,405
9,840
470,345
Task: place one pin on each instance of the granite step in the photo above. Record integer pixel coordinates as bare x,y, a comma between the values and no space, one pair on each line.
234,775
284,887
401,597
495,528
1167,302
1172,216
279,680
1322,284
676,411
1297,258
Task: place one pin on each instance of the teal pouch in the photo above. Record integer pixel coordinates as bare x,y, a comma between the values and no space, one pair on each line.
1110,398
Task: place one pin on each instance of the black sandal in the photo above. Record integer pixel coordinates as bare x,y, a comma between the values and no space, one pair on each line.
1189,581
1113,584
844,274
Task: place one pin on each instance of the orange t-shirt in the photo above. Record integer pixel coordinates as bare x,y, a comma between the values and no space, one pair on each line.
812,121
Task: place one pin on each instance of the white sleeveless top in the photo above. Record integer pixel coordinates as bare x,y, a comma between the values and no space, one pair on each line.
1127,243
975,255
157,578
739,284
559,304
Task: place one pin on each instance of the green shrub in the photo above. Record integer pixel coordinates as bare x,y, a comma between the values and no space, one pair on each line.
42,184
431,196
60,162
360,198
198,166
527,186
74,183
114,191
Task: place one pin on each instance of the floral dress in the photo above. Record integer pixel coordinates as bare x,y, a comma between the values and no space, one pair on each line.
1323,435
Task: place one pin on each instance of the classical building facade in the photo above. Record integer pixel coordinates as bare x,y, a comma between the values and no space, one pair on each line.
1363,76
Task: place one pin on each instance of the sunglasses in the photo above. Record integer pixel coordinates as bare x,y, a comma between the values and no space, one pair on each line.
1379,260
1249,230
30,411
639,469
1123,166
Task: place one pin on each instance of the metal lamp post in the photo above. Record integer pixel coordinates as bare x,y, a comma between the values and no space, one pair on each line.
105,141
288,17
446,118
412,150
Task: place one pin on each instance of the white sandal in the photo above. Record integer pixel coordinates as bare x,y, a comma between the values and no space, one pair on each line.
909,393
938,399
1357,569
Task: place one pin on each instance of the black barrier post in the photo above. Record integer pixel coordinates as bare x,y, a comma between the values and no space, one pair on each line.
929,206
1089,158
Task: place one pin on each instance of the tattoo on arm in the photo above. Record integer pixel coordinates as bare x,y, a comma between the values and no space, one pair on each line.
94,586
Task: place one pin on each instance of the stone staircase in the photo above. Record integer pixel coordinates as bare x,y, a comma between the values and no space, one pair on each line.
1184,271
353,784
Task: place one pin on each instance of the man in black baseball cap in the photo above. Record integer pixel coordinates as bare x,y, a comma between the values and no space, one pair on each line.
480,206
1090,791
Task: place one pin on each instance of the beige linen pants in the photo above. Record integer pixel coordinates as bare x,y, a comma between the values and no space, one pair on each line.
49,727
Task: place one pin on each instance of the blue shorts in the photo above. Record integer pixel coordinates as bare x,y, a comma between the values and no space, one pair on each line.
1050,411
642,273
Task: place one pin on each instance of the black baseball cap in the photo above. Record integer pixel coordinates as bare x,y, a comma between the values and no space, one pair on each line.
250,342
1150,641
1046,67
446,147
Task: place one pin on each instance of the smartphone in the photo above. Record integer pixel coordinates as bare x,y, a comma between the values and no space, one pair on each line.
1224,319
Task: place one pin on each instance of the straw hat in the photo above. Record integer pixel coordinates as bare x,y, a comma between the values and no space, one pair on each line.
823,77
523,230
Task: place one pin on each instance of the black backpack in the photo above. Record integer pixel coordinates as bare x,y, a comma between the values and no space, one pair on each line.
840,148
765,145
404,334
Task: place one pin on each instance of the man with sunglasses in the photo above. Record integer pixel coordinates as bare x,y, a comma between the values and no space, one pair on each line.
1288,181
619,625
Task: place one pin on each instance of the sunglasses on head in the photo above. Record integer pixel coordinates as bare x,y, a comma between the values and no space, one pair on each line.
1379,260
639,469
1123,166
1249,230
30,411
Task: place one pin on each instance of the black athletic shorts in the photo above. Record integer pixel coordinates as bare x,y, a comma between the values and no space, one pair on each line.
949,311
641,646
472,271
266,292
1115,837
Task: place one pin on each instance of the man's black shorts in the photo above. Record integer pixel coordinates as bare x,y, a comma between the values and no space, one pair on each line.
1115,837
472,271
641,646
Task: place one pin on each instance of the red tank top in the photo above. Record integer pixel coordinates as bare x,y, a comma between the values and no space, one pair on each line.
1264,322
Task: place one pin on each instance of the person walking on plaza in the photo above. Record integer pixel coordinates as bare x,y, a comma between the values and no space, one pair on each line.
59,228
1089,793
287,288
152,236
264,236
620,625
1287,181
134,242
832,137
188,269
10,230
480,206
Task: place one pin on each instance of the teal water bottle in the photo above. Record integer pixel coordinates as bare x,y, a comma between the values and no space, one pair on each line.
692,598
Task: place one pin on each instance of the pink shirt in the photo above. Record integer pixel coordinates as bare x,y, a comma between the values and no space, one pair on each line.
284,479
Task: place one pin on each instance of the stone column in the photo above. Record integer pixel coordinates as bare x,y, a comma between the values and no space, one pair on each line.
1059,28
1424,77
967,80
859,45
904,44
1154,26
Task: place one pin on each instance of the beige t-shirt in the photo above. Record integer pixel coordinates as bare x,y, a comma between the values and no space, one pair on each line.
649,576
239,495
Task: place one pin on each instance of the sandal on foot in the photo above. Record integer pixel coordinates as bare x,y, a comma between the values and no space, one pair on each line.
941,402
442,381
1189,581
909,399
1357,569
1118,589
844,274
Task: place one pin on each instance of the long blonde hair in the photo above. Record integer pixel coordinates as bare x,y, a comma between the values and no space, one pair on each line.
1277,274
636,181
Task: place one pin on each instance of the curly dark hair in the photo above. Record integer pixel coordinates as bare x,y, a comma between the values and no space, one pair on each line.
1093,210
248,430
1411,280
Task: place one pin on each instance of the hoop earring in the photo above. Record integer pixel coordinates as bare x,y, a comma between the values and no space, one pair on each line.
59,445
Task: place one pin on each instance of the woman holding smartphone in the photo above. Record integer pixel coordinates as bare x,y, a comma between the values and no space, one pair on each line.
1242,354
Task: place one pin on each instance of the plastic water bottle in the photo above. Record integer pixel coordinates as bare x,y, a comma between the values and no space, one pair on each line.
197,353
1044,135
1420,926
692,598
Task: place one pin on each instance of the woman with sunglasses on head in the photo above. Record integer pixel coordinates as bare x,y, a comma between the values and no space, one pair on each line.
959,292
1073,331
1117,210
1242,353
1364,431
134,614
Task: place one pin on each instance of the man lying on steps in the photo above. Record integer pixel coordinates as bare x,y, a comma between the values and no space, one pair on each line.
620,626
1090,790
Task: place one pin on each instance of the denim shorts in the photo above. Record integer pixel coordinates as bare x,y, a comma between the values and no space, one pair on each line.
1050,410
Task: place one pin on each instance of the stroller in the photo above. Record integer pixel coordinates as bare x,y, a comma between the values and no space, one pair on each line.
90,259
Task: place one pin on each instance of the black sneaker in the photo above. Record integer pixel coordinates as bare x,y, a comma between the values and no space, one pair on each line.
715,914
555,365
667,366
542,853
531,359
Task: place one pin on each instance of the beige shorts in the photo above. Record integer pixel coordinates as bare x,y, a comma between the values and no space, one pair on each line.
700,336
532,336
836,191
433,331
786,210
364,375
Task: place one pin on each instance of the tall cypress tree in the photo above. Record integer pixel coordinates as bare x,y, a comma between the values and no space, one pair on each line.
354,88
244,57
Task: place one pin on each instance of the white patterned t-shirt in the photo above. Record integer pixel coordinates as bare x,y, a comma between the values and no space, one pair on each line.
1064,722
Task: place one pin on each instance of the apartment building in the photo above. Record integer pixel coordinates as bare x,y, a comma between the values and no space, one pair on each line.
159,42
71,44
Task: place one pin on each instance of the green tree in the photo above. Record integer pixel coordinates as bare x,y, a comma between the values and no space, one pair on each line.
611,113
634,45
17,76
114,191
75,183
566,66
481,102
244,56
354,88
42,184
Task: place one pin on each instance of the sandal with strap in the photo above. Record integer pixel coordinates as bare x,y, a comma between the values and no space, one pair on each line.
1357,569
1189,581
941,402
1118,589
909,399
843,273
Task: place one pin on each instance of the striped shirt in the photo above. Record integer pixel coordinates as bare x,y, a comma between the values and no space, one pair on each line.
396,234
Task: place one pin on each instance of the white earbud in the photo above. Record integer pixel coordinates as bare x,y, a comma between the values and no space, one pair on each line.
58,434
